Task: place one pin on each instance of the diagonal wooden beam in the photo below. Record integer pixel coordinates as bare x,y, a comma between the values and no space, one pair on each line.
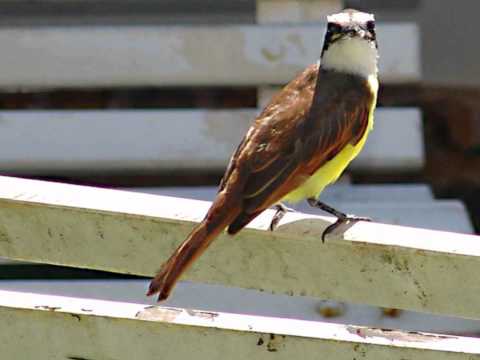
372,263
53,327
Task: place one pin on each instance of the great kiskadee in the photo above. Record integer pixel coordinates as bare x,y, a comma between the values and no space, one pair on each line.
300,143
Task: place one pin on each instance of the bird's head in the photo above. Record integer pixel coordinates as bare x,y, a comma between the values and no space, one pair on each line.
350,44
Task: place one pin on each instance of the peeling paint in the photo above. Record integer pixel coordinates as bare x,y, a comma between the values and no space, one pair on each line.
296,40
274,343
76,316
329,309
391,312
210,315
273,56
158,313
413,336
47,307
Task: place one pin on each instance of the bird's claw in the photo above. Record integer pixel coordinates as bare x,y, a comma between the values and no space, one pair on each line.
342,220
275,220
279,214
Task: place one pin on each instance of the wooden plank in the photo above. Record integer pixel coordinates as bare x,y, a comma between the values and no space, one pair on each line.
295,11
369,263
336,193
43,326
219,298
408,205
124,12
444,215
346,193
391,206
47,57
35,142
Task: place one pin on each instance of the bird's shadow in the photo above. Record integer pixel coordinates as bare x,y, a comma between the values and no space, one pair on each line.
307,224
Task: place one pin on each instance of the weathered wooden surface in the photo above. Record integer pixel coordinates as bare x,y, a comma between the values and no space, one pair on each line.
46,57
209,297
134,233
51,327
295,11
391,204
59,141
335,193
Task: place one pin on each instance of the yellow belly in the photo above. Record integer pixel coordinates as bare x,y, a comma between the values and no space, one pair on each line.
332,169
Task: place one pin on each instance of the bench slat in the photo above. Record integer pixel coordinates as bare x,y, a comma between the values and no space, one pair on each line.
335,193
61,141
242,301
370,263
400,205
295,11
42,326
48,57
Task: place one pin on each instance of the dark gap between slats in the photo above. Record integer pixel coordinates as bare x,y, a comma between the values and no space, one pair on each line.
144,98
53,272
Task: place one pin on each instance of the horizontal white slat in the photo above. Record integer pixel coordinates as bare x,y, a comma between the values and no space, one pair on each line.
43,326
56,141
391,206
207,297
295,11
191,55
336,193
383,265
449,216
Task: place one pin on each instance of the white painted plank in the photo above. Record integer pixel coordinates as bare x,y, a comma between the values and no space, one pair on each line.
59,141
390,206
336,193
370,263
398,138
408,205
444,215
43,326
345,194
192,55
295,11
207,297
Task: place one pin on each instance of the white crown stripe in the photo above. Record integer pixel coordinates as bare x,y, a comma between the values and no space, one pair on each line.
346,17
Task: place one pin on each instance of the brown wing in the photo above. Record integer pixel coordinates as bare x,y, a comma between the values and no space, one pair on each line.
272,126
294,136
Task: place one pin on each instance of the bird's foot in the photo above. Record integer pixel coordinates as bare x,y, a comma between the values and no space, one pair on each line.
281,211
342,220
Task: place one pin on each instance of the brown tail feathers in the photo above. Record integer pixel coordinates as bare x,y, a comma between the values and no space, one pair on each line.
217,219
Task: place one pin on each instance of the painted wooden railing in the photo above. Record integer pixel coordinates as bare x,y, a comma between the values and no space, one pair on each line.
372,263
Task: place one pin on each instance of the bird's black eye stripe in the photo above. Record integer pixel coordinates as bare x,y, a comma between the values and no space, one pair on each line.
371,25
333,27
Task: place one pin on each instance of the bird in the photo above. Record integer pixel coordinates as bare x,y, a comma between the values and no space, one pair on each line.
301,142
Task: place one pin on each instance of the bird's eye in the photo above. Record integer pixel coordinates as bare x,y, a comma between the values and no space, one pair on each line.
371,25
333,27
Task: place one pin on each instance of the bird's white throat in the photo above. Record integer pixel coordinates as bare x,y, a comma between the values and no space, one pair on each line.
352,56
